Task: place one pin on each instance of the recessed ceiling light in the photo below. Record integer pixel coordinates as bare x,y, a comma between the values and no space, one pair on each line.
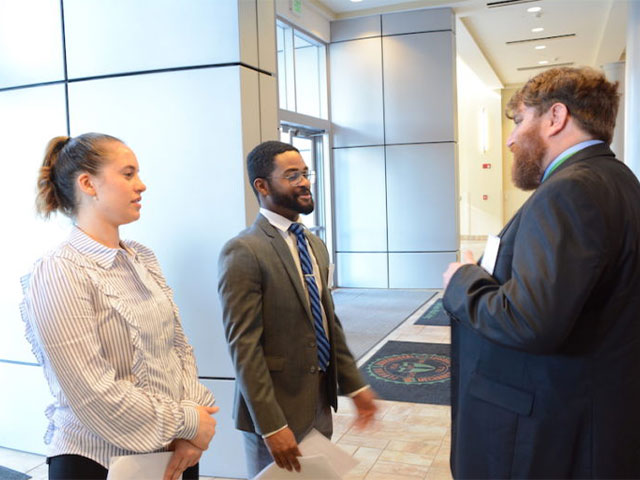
540,47
537,29
543,62
530,9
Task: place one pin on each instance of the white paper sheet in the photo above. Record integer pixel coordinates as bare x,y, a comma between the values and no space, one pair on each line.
317,444
321,460
147,466
490,254
315,467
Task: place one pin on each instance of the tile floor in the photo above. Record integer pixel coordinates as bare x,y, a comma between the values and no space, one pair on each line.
408,441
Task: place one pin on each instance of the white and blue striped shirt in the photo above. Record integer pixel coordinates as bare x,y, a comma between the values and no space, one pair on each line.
102,323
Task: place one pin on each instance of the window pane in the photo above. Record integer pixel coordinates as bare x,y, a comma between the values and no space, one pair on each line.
305,146
286,74
307,77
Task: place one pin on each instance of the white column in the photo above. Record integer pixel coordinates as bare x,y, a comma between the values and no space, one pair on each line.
615,72
632,83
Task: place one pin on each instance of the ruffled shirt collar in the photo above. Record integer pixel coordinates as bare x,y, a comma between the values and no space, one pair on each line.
101,254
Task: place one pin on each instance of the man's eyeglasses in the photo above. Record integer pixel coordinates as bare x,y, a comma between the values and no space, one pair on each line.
295,178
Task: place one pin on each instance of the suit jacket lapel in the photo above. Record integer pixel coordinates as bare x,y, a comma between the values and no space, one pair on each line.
284,253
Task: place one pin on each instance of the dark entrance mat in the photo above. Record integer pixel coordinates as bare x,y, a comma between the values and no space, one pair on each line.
435,315
8,474
411,372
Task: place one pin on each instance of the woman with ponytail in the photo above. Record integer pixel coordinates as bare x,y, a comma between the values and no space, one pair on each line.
102,323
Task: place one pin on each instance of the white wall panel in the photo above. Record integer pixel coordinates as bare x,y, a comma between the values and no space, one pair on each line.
30,118
419,93
418,270
136,35
22,404
418,21
421,197
362,270
355,28
225,457
187,138
360,199
30,42
356,93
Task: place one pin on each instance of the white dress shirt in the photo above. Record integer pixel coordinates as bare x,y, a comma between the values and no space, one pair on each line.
282,224
102,323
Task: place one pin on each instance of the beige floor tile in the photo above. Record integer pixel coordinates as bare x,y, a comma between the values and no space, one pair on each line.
398,412
394,468
350,449
428,449
358,472
430,410
367,455
363,440
436,421
388,476
408,432
404,457
439,472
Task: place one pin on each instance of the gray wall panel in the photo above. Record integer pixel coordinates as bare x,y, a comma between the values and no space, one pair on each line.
225,457
419,87
418,21
418,270
137,35
30,42
266,11
164,117
421,197
362,270
356,93
360,210
354,28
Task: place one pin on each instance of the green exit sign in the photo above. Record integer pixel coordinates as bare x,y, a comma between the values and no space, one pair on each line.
296,7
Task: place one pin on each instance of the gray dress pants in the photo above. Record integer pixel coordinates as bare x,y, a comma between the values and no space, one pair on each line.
256,451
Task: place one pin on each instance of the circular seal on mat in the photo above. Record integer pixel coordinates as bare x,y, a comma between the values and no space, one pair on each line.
412,368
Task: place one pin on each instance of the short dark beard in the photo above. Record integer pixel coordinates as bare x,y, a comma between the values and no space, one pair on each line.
528,154
290,202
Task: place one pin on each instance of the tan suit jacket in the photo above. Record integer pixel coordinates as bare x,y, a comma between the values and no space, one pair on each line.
271,336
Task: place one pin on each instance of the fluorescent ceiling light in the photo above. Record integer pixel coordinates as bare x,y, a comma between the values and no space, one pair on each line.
540,47
543,62
537,29
530,9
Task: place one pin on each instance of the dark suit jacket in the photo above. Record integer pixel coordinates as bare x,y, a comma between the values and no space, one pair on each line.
271,336
546,353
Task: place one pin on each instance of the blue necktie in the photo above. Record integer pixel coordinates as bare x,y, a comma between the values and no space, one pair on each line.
314,296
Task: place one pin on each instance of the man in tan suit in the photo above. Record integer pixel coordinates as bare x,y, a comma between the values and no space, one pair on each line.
287,345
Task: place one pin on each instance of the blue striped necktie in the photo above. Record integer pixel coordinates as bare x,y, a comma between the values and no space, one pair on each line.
314,296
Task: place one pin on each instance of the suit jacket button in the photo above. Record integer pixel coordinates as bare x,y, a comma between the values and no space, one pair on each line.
312,369
312,344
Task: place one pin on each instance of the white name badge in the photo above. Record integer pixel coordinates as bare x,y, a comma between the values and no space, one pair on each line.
490,254
332,269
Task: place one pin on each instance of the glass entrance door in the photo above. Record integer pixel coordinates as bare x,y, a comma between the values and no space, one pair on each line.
310,144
